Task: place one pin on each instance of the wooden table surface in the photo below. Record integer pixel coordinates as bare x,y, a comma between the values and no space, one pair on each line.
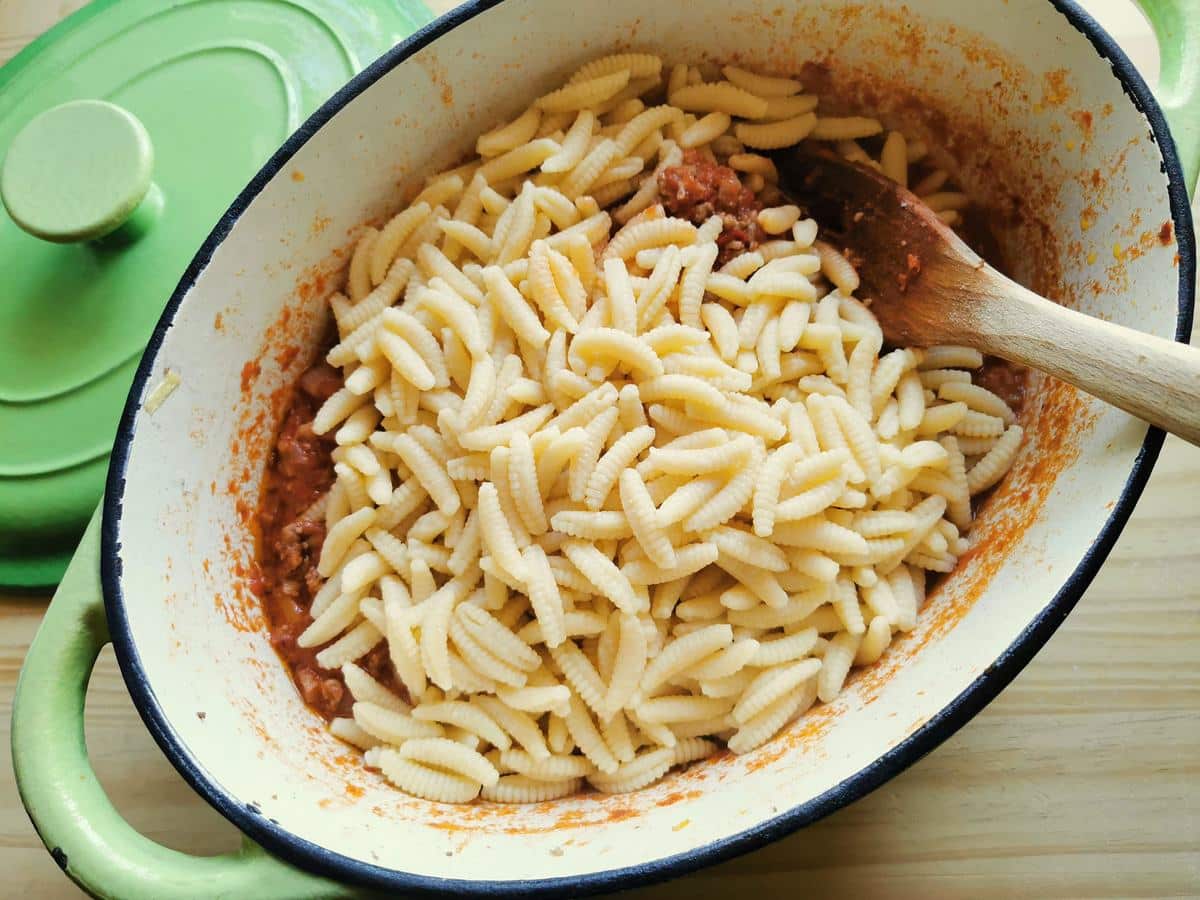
1082,779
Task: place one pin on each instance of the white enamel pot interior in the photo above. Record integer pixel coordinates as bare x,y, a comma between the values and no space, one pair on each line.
1047,122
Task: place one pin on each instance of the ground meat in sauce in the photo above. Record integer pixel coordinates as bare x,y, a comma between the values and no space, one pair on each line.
1004,379
300,471
699,188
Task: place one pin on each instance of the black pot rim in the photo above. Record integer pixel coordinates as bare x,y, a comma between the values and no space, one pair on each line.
317,859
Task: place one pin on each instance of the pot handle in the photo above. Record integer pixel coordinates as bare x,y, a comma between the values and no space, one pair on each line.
1176,25
85,834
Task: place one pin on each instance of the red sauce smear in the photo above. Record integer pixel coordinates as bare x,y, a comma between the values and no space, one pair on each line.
299,472
699,188
1004,379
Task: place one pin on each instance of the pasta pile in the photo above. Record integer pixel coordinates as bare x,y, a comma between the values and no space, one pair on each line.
607,503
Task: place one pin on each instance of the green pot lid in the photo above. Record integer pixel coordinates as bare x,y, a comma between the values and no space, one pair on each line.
125,133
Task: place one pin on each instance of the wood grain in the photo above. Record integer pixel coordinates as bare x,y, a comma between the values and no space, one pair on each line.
1153,378
1082,779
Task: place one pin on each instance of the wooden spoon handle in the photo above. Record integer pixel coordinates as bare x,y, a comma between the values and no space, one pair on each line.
1152,378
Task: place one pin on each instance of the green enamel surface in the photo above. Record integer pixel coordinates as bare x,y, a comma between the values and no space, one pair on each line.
96,848
77,171
1176,24
218,85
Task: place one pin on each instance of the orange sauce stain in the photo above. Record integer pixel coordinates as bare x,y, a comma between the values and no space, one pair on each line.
297,175
437,74
250,373
286,356
1056,88
569,818
804,731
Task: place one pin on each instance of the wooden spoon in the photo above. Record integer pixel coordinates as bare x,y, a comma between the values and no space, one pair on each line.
928,287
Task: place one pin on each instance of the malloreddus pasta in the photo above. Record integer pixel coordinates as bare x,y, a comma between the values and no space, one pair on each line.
618,469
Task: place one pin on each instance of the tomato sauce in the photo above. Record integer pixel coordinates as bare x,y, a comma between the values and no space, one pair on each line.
1005,380
300,471
699,188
